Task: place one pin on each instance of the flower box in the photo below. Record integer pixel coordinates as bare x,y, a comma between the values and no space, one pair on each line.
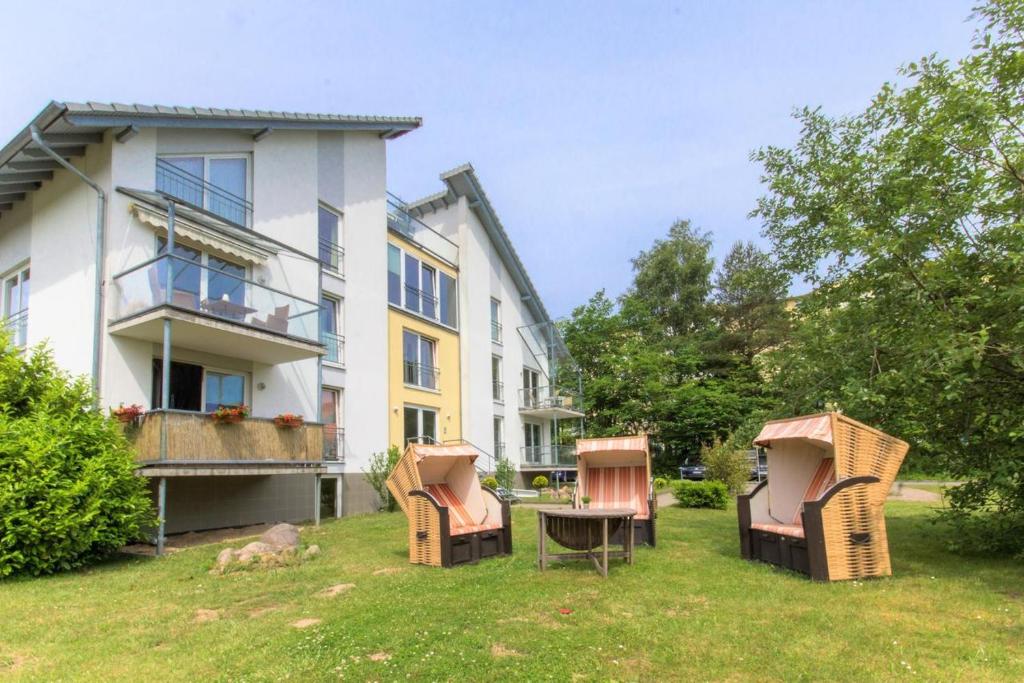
229,414
289,421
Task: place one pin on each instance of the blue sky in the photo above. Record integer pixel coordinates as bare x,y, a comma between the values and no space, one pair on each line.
592,125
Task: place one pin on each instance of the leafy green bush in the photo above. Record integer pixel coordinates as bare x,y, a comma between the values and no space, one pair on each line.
725,463
489,482
381,465
505,473
68,490
702,494
540,481
660,483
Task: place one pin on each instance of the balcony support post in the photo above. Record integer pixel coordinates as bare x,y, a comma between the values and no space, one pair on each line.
162,511
165,366
316,499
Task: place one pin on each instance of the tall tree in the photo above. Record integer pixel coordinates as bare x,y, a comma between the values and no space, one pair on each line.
750,300
909,220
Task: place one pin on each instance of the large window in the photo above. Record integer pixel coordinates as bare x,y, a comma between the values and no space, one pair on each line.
499,436
224,389
330,415
497,388
329,232
420,424
220,289
15,306
217,183
531,442
421,288
330,329
394,275
418,354
495,320
531,388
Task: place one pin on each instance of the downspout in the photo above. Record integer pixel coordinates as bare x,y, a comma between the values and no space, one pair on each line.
101,220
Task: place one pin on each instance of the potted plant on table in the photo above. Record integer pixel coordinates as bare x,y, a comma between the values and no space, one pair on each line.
229,414
289,421
586,502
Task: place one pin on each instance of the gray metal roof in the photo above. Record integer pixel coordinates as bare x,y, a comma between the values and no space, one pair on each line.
70,127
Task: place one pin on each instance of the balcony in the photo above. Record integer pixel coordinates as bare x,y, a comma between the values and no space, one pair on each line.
335,345
332,256
415,230
421,375
17,326
200,194
547,457
214,311
550,403
199,447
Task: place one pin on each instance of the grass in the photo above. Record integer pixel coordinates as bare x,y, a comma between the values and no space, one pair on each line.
690,609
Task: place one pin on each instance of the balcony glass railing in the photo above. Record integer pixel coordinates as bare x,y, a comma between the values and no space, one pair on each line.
17,326
335,345
546,398
332,256
216,294
549,456
334,443
404,223
195,191
421,375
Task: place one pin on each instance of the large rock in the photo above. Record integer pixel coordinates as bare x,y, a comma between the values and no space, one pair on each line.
253,549
281,536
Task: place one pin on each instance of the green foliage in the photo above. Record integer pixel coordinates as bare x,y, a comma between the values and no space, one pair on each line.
701,494
907,220
725,463
540,482
489,482
68,491
660,483
677,358
505,473
586,500
381,464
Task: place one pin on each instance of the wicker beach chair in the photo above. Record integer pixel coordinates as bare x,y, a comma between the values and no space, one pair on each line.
616,473
452,518
821,511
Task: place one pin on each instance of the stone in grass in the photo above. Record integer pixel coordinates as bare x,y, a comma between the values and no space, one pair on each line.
336,590
305,623
281,536
311,551
256,548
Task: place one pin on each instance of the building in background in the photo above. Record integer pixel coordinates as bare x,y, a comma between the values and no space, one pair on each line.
296,284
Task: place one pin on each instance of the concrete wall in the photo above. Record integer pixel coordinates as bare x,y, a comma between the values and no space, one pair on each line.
197,503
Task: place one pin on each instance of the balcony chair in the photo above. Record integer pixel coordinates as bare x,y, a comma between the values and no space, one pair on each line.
179,297
821,509
275,322
453,520
616,473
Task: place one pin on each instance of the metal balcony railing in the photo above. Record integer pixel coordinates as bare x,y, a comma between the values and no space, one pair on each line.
335,345
213,293
407,225
332,255
544,398
334,443
495,331
420,302
498,391
549,456
421,375
17,326
195,191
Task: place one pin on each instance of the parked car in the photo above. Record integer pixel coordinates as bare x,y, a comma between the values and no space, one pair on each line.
509,495
692,470
759,472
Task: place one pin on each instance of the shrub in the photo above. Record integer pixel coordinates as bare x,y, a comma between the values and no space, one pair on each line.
660,483
68,491
505,473
381,465
727,464
702,494
489,482
540,481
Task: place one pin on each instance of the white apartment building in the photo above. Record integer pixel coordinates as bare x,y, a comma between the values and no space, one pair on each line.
296,285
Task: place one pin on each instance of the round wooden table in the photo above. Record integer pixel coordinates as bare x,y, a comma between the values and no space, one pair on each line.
585,530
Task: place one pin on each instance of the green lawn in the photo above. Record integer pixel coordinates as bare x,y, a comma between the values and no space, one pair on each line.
689,610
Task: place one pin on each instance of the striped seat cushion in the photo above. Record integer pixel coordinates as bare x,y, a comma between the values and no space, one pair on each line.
785,529
823,479
459,519
619,487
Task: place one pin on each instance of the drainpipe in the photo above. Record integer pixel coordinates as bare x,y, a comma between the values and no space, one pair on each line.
101,220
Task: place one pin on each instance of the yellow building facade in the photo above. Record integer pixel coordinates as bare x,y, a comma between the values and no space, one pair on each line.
424,374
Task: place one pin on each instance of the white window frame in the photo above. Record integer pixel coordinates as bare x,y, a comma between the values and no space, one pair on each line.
420,338
403,256
496,319
337,304
499,435
420,409
246,382
496,378
206,156
204,262
17,275
340,241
